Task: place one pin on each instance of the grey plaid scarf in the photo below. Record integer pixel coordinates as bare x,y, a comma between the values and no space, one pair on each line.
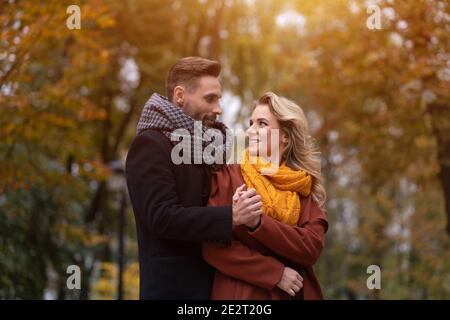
160,114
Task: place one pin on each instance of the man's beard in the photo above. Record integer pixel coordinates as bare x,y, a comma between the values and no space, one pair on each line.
207,120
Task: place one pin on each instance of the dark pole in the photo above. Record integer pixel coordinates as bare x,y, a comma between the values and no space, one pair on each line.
118,170
121,258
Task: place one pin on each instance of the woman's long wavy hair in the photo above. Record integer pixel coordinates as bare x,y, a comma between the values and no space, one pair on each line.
300,152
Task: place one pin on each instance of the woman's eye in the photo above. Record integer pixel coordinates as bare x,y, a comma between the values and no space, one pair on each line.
261,124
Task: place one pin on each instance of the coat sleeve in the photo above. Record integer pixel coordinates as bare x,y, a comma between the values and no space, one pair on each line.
152,190
301,245
240,262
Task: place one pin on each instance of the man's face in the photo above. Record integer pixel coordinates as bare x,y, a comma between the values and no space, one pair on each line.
202,103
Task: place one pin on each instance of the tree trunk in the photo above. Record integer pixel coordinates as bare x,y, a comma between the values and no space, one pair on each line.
440,121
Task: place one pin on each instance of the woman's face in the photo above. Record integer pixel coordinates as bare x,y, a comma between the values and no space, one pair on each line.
262,126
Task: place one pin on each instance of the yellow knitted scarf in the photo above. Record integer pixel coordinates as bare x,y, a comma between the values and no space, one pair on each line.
278,191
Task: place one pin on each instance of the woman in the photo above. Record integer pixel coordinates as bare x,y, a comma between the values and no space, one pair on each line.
272,257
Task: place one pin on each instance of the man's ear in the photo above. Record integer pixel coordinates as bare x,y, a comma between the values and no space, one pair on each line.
178,96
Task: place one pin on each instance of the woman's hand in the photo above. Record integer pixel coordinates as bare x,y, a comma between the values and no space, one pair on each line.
246,206
291,282
253,222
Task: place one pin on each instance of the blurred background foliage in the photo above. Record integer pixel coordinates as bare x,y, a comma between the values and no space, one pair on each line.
377,101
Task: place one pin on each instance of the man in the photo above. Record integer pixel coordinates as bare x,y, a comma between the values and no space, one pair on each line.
169,200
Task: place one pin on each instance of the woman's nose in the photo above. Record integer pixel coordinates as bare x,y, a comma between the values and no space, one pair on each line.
251,131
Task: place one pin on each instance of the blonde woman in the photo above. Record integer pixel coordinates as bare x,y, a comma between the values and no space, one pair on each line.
272,257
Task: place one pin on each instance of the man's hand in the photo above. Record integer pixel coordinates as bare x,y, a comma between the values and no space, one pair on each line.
246,207
291,281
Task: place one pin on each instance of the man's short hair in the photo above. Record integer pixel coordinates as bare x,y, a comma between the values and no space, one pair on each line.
187,71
